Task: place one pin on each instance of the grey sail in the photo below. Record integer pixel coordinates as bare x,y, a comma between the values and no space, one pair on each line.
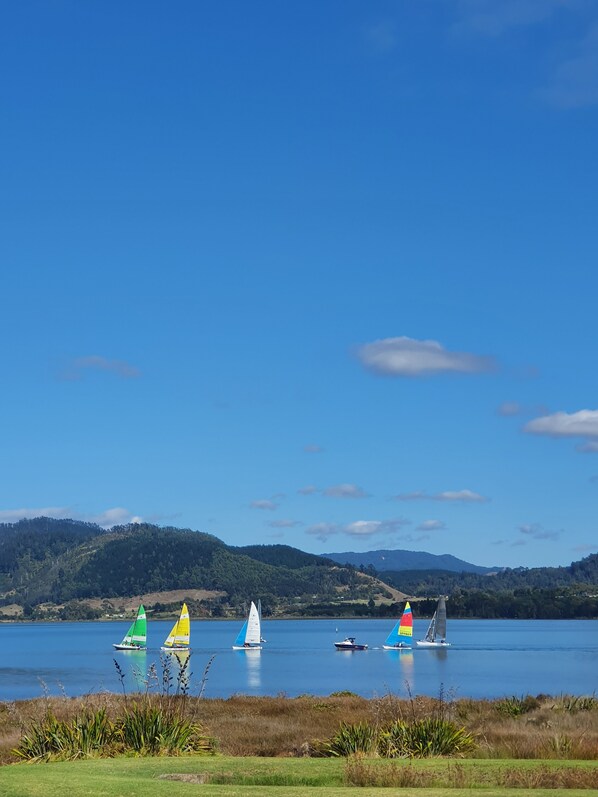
431,632
441,619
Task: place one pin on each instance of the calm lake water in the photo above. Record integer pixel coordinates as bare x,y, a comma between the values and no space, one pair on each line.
488,658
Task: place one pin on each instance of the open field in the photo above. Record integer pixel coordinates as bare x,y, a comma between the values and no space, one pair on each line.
218,776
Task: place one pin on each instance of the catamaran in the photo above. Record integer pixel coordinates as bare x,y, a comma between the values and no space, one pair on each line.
249,637
436,633
402,633
179,637
136,636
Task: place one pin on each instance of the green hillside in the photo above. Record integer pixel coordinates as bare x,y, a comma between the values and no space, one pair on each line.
62,561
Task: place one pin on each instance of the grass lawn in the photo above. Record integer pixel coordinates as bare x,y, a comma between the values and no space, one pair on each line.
272,777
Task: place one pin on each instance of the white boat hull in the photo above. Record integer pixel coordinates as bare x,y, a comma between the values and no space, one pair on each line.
247,647
423,643
175,649
396,647
128,647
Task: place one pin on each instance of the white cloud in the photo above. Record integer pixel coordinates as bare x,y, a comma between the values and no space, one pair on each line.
583,423
589,447
76,369
284,524
431,525
117,516
586,548
538,532
408,357
345,491
464,496
357,529
264,503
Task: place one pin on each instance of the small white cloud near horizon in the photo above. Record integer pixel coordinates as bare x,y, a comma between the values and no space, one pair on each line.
313,448
431,525
345,491
536,531
464,496
363,529
407,357
116,516
265,504
94,362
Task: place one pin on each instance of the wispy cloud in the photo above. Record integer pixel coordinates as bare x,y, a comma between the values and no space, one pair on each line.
309,489
284,524
322,531
537,532
117,516
313,448
509,408
586,548
431,525
575,83
264,503
412,358
589,447
345,491
464,496
358,529
494,17
77,368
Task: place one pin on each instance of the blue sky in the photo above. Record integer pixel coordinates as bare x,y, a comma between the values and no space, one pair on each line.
321,274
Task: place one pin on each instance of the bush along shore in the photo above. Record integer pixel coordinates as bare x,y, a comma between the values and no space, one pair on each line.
165,719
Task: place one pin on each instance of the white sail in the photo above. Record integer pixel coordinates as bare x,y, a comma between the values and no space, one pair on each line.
253,634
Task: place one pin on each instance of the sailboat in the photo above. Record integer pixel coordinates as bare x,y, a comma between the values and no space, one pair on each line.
249,637
136,636
436,633
178,639
400,636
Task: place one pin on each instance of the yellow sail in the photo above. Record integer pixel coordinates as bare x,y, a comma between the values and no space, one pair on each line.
181,630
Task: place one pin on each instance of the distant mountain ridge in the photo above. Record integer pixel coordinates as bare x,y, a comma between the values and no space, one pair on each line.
396,559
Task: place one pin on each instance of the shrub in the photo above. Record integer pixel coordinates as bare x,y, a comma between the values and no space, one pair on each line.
423,738
360,737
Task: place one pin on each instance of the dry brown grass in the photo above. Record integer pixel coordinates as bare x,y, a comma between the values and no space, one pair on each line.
281,726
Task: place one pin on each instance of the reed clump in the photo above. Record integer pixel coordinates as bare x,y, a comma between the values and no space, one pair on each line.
557,728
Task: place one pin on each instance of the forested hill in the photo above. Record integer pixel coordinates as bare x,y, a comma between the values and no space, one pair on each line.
430,582
45,560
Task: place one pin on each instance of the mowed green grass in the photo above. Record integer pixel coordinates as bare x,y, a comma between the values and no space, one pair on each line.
272,777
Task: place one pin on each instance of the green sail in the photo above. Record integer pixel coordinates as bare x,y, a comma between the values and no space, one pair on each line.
137,633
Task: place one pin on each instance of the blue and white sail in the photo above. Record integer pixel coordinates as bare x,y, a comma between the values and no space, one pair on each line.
249,637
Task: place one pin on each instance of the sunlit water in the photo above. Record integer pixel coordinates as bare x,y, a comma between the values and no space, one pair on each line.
487,658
